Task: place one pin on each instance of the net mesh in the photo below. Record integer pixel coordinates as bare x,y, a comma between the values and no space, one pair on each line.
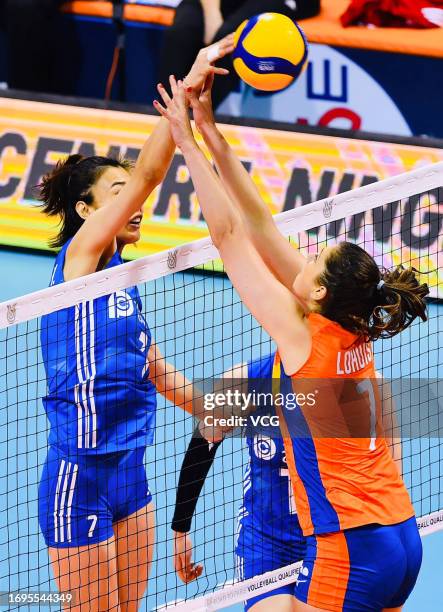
201,327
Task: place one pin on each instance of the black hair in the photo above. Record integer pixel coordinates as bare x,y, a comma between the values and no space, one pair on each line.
367,301
69,182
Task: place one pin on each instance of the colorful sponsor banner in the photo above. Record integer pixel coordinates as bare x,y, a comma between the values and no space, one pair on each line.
290,169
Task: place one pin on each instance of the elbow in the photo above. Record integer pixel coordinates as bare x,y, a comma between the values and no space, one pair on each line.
220,237
223,235
153,178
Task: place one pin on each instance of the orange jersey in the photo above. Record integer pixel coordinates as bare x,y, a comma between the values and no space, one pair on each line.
341,468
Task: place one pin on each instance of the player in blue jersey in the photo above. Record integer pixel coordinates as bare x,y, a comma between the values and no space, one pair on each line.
95,507
269,535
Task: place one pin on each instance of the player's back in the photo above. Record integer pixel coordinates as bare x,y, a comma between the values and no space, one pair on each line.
343,471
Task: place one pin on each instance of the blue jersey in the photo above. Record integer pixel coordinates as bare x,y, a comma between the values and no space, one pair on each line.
100,399
268,500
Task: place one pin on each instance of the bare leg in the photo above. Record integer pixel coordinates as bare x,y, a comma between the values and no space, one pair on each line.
135,537
90,574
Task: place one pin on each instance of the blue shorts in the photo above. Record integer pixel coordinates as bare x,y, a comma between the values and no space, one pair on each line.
257,552
365,569
79,500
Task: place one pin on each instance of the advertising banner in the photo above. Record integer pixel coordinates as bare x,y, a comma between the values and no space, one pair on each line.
290,169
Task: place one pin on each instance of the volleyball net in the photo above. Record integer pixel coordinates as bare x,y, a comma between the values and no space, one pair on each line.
202,330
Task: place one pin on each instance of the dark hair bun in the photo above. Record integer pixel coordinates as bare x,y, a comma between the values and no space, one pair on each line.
53,188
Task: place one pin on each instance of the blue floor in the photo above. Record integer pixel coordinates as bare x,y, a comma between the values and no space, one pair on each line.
22,273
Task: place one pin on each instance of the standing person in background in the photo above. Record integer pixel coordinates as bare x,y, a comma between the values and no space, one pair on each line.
207,21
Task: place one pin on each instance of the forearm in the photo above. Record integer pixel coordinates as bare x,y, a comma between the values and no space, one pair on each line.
196,465
236,178
156,155
175,387
284,261
219,212
101,227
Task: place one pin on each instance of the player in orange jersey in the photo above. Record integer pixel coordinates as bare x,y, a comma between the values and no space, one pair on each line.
363,546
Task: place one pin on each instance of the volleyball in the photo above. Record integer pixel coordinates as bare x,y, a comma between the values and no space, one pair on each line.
271,51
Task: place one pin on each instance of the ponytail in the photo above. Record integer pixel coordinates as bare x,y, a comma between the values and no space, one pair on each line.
401,299
366,301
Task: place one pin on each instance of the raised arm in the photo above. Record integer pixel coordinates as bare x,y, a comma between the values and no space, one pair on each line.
126,197
100,228
212,17
284,260
271,303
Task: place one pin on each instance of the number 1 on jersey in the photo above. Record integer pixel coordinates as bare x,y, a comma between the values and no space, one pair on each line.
143,339
284,473
365,386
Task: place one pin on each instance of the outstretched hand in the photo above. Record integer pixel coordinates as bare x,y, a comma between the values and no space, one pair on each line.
175,110
204,62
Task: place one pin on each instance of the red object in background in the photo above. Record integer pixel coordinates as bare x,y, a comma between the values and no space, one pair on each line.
395,13
341,113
